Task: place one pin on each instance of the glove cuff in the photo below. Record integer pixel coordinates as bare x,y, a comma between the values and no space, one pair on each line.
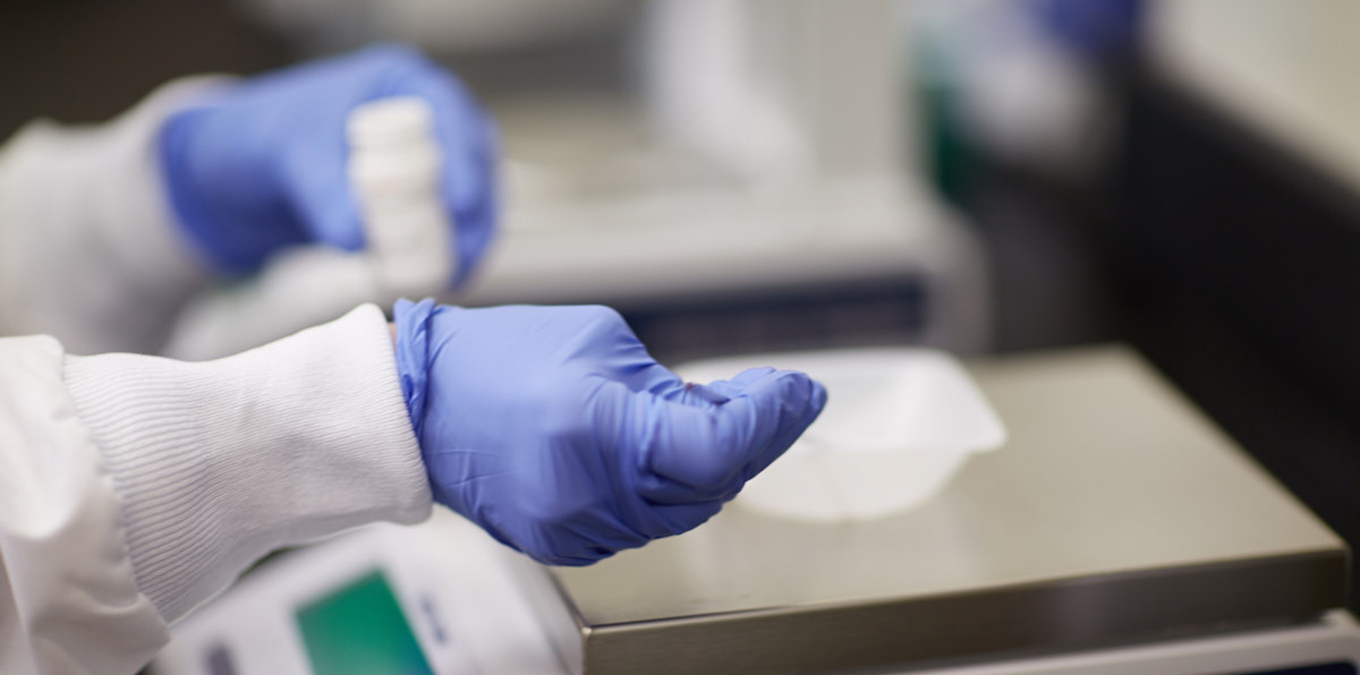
413,356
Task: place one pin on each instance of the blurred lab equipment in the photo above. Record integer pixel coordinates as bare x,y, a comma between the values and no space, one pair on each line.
1023,82
574,443
741,180
1116,532
753,191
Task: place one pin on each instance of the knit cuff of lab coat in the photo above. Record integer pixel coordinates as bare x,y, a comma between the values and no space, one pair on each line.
217,463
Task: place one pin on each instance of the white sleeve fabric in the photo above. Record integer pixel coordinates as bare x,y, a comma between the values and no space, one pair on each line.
68,602
89,252
190,472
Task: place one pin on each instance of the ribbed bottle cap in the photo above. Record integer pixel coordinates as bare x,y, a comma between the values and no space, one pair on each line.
391,123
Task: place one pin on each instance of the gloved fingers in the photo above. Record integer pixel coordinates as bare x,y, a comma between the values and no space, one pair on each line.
697,395
553,522
475,222
703,453
566,520
637,369
717,392
785,436
664,520
600,335
316,169
706,396
321,196
659,381
585,540
464,131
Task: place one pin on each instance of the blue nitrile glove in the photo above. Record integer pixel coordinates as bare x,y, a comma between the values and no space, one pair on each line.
553,429
264,165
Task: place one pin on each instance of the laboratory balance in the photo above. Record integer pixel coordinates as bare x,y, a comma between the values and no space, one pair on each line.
1117,531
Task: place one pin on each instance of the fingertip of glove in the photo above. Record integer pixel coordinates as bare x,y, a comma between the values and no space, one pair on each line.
799,395
751,376
349,240
475,230
790,386
819,398
324,200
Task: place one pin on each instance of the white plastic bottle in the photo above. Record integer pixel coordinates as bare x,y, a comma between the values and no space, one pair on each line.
395,167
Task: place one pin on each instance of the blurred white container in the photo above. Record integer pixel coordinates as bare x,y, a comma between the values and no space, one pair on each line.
899,423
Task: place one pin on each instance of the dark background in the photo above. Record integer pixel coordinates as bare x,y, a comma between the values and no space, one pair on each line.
88,60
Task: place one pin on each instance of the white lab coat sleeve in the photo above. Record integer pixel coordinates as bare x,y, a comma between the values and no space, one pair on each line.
68,602
89,252
180,475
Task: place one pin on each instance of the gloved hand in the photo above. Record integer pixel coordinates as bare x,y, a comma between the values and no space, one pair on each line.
264,165
553,429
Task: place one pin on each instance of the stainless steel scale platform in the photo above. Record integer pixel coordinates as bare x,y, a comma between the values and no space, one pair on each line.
1115,514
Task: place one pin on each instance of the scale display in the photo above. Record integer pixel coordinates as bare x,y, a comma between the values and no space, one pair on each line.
360,630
